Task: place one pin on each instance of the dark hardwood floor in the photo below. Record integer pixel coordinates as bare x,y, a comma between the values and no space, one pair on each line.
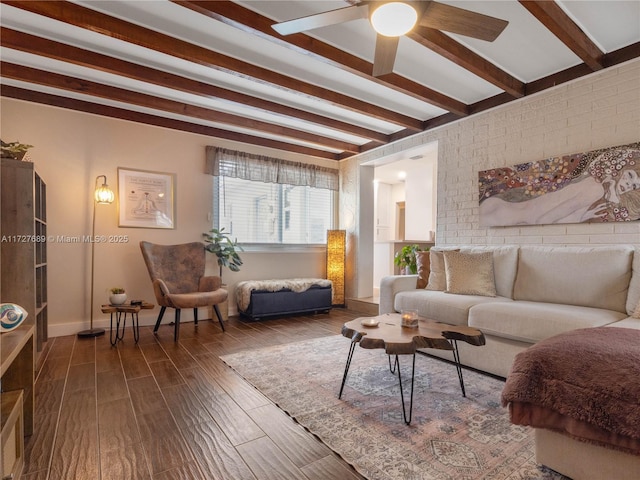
163,410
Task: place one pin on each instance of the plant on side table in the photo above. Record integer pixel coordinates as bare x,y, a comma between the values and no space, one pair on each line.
117,296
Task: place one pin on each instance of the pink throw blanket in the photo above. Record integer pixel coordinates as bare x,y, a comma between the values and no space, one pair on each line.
584,383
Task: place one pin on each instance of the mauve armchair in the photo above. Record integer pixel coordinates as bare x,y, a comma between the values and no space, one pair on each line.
177,273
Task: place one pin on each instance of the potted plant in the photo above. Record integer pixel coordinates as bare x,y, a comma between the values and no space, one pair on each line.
117,296
405,258
222,246
15,150
226,250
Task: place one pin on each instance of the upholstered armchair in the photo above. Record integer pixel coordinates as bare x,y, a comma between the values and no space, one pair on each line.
177,273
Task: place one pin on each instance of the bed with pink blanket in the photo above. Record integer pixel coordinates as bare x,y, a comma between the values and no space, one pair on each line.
584,384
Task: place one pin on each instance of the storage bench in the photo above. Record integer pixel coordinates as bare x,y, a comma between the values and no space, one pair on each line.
267,298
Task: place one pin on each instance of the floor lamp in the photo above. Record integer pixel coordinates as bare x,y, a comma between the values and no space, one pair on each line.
103,195
336,248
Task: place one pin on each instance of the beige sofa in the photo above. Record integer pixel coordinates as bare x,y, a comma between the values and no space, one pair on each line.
540,291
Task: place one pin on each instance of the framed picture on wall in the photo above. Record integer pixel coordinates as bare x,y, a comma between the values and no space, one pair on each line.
146,199
595,186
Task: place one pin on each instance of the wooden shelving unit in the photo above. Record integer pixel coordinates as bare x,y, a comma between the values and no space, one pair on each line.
23,281
17,367
40,229
23,251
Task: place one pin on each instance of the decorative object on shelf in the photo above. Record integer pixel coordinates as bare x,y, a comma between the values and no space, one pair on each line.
409,318
118,296
15,150
146,199
336,254
406,258
11,316
222,246
103,195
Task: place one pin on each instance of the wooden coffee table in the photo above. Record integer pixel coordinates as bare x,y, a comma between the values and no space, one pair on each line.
398,340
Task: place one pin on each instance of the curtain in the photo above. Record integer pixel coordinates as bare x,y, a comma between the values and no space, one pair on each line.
232,163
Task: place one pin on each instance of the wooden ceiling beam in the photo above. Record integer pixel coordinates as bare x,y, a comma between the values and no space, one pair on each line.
77,56
248,21
18,93
87,87
86,18
457,53
568,32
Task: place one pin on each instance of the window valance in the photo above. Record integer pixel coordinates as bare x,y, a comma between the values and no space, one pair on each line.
233,163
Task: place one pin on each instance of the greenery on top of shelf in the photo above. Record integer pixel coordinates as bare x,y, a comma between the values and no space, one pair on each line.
15,150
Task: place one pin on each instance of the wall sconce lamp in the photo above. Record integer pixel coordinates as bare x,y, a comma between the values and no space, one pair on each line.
102,195
336,248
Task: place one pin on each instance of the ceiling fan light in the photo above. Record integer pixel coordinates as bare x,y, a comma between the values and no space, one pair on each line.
394,19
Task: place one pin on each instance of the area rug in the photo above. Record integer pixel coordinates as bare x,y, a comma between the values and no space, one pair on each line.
450,437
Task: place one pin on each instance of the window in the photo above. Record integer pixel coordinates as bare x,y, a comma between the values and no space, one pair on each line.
266,200
273,213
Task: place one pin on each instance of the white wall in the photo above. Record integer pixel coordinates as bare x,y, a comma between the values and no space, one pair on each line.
71,149
420,206
597,111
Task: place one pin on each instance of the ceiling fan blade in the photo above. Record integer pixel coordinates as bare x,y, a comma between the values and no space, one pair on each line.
385,56
465,22
332,17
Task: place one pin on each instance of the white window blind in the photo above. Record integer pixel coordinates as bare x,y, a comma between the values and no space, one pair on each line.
271,201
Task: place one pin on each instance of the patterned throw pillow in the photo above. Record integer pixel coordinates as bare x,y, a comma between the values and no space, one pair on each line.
470,273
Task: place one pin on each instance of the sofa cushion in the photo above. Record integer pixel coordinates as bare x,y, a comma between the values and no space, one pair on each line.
629,322
596,277
533,321
440,306
505,265
633,297
470,273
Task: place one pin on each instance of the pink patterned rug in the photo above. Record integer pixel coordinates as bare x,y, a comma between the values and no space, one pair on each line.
450,437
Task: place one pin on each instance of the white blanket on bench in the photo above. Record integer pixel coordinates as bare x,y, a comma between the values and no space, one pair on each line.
244,289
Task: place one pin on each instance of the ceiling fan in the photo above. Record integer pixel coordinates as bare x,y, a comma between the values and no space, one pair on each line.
391,20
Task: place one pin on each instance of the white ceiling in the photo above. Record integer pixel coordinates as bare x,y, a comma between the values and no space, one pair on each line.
527,50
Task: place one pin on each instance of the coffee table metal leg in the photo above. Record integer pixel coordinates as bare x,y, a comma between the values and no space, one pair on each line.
392,366
413,371
346,367
135,325
456,358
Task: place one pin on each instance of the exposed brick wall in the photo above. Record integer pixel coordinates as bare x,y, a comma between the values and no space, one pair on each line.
598,111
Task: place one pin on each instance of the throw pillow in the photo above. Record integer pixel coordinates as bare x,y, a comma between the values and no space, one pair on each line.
470,273
636,312
437,273
424,269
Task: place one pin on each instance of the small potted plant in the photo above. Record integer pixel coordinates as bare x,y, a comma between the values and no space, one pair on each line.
222,246
405,258
117,296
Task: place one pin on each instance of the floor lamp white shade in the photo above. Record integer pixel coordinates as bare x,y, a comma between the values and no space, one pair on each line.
102,195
